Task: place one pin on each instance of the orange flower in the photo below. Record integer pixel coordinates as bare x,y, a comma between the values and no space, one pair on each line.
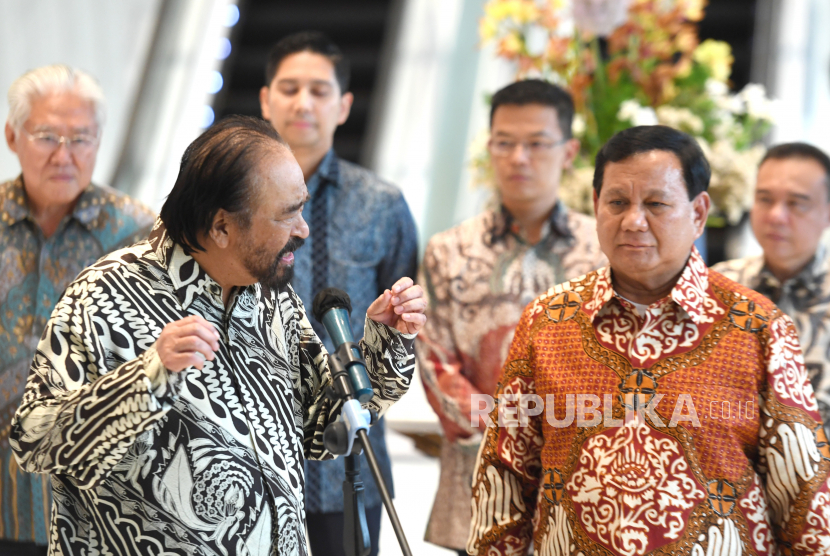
686,39
616,67
510,46
579,83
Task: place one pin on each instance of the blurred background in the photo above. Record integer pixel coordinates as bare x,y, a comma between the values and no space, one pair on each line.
421,76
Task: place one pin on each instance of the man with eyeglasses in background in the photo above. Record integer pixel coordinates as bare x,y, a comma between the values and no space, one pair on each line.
482,273
53,223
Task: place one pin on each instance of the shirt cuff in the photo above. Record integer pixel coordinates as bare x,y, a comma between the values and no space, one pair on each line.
392,329
373,331
163,383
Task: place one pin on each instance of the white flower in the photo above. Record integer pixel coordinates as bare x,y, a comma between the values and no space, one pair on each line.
599,17
715,88
645,116
632,111
725,128
758,106
578,125
536,39
576,190
732,104
732,186
680,118
628,110
718,91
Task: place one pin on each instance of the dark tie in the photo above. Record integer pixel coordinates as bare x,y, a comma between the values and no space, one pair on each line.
319,239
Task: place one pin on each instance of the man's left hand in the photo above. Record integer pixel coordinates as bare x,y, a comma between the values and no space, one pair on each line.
401,308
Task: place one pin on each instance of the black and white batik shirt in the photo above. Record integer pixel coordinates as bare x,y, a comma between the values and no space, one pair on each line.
202,462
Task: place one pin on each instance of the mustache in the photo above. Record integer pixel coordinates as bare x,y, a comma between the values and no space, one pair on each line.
293,244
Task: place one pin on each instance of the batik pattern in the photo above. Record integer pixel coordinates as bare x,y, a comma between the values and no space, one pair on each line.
208,461
34,271
479,276
806,299
707,441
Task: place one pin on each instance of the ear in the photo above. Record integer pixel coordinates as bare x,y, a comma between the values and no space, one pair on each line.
345,108
11,138
571,151
221,229
596,201
700,211
263,103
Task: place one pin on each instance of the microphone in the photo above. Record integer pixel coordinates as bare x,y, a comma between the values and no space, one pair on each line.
332,308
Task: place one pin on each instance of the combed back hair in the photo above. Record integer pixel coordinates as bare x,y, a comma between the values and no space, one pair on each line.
647,138
309,41
50,80
537,91
217,172
802,151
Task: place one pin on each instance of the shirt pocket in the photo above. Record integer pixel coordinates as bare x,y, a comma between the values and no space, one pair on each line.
357,242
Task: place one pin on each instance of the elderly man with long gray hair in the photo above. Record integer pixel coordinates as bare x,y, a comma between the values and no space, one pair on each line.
53,223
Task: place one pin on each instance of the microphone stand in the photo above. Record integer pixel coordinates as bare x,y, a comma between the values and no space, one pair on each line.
356,540
347,436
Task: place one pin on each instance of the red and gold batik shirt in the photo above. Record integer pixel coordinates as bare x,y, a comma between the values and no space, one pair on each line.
727,456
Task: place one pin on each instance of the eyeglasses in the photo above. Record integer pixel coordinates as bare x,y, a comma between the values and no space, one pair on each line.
48,141
536,148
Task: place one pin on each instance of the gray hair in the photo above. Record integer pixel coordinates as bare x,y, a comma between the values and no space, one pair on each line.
49,80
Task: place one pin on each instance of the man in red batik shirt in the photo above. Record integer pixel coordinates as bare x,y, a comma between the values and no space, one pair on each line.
678,417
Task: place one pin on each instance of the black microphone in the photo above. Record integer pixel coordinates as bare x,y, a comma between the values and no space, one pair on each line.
332,308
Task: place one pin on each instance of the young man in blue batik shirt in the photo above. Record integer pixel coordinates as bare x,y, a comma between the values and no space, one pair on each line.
362,238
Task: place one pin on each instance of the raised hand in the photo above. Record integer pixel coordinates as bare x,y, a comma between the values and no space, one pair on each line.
188,342
401,308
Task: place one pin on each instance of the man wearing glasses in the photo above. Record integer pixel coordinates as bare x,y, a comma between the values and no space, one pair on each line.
53,223
481,274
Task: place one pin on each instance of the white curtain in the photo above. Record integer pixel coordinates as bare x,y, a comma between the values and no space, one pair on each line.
154,60
108,39
434,105
802,72
173,104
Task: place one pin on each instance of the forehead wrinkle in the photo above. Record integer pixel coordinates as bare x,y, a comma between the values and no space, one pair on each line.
657,192
651,192
297,206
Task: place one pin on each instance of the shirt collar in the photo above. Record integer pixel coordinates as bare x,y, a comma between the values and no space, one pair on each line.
505,224
189,279
689,293
15,207
811,278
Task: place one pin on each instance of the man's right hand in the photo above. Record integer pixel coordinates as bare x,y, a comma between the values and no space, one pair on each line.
187,343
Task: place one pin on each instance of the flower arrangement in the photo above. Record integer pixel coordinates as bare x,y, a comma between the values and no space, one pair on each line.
635,62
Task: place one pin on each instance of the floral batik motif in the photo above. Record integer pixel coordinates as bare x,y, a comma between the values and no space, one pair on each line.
632,489
805,298
705,438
